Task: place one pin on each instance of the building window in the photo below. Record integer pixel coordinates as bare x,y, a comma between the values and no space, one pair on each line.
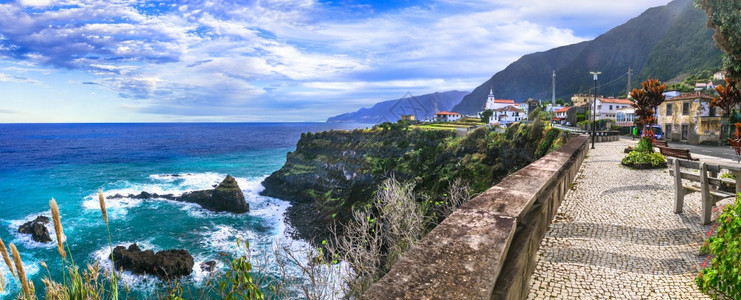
610,107
685,109
712,111
669,109
685,131
668,133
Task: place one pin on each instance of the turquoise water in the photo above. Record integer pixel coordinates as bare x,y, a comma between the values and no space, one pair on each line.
71,161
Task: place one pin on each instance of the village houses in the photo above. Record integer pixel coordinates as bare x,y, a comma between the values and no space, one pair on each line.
689,118
445,116
607,108
505,111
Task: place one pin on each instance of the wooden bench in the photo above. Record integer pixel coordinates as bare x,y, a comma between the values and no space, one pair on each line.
661,143
676,152
708,186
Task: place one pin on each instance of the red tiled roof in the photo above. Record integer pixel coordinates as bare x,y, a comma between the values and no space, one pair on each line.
562,109
504,101
447,113
510,108
615,100
690,96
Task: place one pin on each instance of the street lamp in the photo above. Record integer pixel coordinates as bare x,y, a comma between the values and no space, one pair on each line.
594,105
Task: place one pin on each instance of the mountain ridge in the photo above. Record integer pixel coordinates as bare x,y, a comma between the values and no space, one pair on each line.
677,35
423,106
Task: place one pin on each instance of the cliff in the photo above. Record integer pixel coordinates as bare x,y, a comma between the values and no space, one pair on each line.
330,173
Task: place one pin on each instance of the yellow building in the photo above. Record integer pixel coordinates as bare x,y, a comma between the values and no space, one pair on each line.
581,99
407,117
688,118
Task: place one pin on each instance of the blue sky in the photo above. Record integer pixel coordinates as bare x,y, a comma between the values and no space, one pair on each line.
280,60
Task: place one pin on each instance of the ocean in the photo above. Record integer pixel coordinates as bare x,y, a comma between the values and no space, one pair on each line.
70,162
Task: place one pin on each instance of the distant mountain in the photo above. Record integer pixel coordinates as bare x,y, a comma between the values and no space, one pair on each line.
424,106
662,42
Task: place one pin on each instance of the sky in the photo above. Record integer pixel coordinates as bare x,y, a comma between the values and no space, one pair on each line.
274,61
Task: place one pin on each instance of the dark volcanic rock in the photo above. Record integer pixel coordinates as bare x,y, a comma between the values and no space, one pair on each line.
167,264
208,266
227,196
36,229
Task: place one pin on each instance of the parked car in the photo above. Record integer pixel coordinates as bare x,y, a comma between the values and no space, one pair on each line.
657,130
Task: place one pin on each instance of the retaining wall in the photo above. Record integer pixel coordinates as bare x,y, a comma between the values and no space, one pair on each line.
487,248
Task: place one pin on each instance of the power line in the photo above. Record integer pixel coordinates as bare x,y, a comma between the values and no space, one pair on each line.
590,90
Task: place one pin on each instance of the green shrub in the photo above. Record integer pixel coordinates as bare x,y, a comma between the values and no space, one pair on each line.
640,158
721,278
645,145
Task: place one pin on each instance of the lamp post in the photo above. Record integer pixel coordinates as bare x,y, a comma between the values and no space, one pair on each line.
594,105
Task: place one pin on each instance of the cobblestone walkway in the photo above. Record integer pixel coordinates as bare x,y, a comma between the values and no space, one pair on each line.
615,236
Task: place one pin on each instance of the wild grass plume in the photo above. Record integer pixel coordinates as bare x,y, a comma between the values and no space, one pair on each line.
21,273
57,227
6,257
2,281
101,200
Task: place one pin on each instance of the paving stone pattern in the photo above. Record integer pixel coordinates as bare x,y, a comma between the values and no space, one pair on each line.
615,236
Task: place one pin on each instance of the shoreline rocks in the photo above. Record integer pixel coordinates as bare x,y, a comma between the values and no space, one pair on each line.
37,229
166,264
227,196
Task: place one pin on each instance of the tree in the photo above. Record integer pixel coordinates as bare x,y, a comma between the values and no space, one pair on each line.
486,114
560,101
729,96
644,102
724,17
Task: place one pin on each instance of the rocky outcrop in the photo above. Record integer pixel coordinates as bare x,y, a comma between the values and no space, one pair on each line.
167,264
37,229
227,196
208,266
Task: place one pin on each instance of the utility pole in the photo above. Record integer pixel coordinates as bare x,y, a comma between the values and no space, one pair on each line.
630,72
553,94
594,105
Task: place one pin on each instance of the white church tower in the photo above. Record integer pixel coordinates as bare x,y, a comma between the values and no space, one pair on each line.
490,101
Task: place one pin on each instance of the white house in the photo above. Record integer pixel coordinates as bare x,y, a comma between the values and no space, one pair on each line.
704,86
445,116
607,107
506,115
560,114
719,75
625,116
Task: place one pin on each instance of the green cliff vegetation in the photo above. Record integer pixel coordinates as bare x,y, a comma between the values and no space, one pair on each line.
330,174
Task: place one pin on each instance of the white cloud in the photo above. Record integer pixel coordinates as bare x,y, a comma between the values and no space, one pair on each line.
260,55
37,3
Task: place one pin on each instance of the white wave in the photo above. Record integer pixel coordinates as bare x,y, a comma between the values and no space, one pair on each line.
223,238
251,187
199,275
189,181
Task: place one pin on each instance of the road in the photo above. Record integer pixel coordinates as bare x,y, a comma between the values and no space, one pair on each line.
716,151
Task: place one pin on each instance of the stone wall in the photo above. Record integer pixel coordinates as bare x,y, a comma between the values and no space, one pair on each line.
487,248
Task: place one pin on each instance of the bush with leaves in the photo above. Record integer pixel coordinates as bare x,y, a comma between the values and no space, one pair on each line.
643,160
721,279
